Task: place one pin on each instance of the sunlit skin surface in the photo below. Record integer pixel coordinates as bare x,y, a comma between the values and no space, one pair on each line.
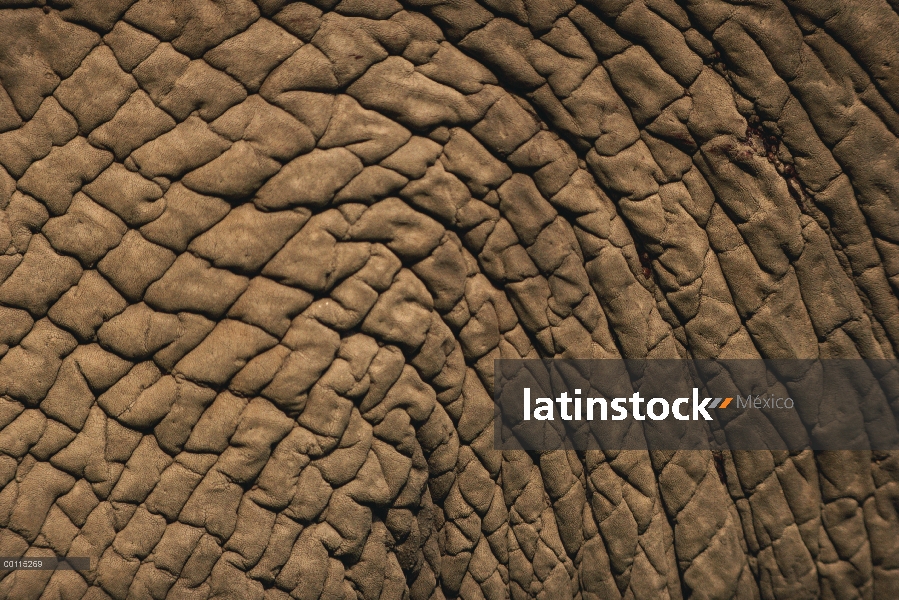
257,260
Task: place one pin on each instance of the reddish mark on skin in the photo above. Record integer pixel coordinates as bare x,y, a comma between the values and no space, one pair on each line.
771,144
357,56
644,261
713,57
684,140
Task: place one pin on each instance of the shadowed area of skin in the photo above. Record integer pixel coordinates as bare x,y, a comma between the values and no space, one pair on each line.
257,261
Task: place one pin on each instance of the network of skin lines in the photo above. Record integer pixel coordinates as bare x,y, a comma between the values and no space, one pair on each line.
257,261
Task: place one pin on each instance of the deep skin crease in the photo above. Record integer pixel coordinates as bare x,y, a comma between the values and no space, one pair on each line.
257,261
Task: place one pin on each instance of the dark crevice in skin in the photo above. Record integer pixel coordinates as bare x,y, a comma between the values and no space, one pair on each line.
48,9
718,457
761,133
763,141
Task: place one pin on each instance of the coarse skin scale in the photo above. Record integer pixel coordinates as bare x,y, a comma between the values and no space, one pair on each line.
257,260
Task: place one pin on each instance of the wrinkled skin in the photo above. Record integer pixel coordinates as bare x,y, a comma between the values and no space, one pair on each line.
258,260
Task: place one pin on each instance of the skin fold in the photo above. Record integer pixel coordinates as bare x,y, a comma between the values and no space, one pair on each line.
257,261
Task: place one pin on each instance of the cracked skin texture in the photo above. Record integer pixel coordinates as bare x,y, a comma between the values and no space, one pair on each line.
257,260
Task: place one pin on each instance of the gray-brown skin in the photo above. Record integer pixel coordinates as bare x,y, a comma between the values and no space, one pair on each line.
257,260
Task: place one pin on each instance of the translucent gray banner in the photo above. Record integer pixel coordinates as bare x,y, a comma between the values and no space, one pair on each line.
789,404
45,563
